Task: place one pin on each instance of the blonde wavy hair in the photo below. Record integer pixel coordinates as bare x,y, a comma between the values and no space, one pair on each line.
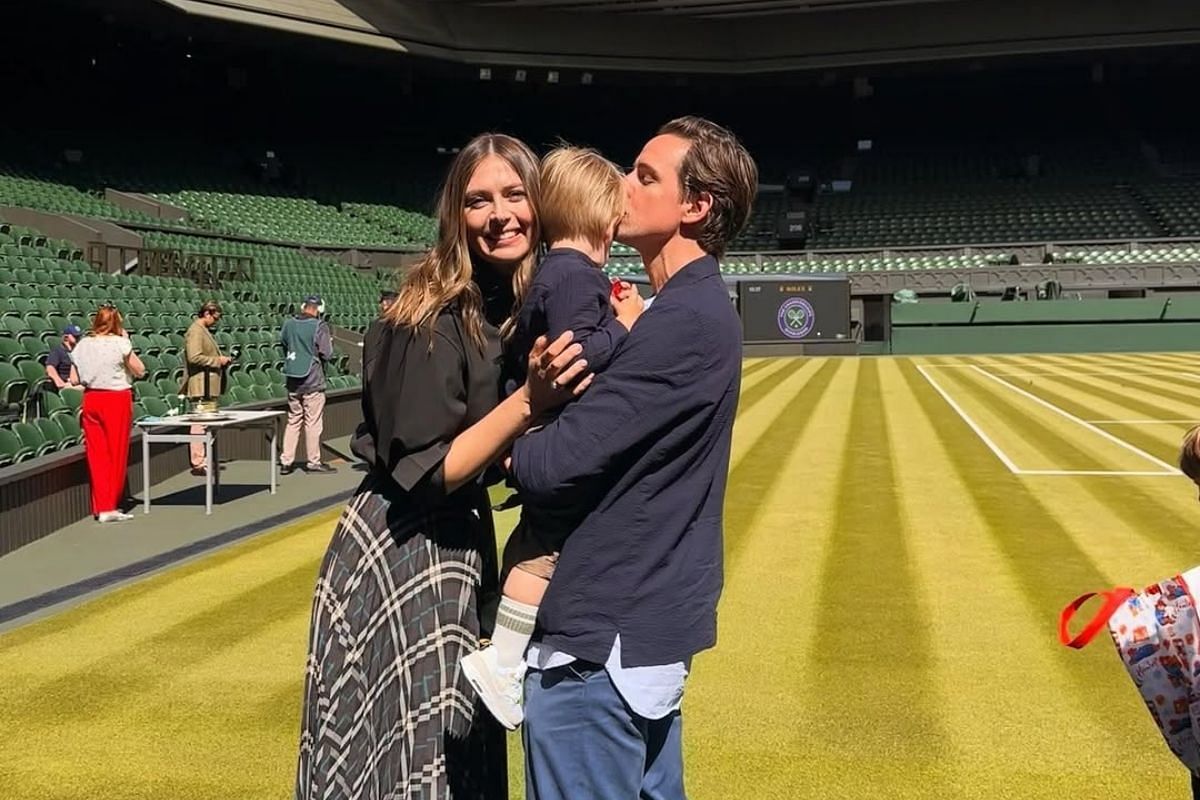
444,274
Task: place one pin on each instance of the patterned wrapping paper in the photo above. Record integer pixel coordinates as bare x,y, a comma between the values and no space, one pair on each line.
1156,634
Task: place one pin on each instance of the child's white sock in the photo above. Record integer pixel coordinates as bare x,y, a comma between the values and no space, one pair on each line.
514,626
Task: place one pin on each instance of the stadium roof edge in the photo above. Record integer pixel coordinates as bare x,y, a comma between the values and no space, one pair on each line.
539,34
327,19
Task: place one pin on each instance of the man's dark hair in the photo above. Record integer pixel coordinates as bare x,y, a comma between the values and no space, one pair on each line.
211,307
718,164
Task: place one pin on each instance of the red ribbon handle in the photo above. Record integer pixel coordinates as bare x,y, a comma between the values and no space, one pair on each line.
1112,601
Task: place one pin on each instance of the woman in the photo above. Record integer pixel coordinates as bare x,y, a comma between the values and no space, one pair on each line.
105,363
409,582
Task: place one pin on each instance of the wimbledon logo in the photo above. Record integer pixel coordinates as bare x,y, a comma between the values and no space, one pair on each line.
796,318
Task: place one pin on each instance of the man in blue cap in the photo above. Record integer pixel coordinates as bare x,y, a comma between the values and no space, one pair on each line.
59,367
307,345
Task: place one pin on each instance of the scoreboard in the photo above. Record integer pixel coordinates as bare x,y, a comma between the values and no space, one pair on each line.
795,308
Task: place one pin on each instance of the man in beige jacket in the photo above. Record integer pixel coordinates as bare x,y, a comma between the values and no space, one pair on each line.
203,365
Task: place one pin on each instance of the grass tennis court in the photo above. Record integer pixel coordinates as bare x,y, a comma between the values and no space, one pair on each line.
901,534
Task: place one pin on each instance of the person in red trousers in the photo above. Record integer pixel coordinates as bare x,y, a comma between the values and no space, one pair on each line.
106,365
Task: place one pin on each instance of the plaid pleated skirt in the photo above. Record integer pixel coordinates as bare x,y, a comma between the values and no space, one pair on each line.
401,596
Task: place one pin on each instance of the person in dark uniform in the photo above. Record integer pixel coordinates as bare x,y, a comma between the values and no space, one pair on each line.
409,583
59,367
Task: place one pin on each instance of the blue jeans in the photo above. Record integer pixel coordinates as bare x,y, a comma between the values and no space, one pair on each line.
583,741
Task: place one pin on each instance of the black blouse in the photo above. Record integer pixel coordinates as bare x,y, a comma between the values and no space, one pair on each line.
415,400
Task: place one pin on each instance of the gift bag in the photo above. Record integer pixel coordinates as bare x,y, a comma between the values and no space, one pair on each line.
1155,632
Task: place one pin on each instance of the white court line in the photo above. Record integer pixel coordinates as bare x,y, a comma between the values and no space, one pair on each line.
1099,472
970,422
1143,421
1035,371
1168,469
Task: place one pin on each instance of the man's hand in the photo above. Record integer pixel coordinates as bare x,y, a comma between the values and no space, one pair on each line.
224,360
627,304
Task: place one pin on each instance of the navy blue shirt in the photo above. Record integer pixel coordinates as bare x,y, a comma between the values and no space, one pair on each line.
569,293
644,456
60,359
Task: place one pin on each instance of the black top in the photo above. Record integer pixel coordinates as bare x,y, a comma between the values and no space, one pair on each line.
644,452
60,359
416,399
569,293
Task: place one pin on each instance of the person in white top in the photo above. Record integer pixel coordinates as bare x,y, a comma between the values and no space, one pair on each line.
106,365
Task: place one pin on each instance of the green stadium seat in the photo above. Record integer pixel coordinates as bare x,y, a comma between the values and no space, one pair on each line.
72,432
12,449
53,433
14,388
72,399
12,351
32,437
155,406
52,405
35,373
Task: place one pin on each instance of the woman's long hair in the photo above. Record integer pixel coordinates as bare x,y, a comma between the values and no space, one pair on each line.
444,274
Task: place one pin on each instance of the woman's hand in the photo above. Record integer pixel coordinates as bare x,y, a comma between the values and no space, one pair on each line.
555,374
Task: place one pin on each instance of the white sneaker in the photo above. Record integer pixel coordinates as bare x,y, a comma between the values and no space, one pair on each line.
499,688
113,516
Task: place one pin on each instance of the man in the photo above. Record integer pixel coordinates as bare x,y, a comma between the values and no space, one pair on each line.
59,367
386,298
203,371
642,459
307,345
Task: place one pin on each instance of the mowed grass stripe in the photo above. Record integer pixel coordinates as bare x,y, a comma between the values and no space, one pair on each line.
756,473
1141,508
870,612
1120,362
1190,360
1129,529
979,621
1121,397
101,630
751,367
1046,560
1165,395
1083,404
767,383
765,620
1048,440
754,419
1158,382
1116,384
186,720
216,625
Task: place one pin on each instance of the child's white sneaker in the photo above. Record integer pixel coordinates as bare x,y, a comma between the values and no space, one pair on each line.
499,688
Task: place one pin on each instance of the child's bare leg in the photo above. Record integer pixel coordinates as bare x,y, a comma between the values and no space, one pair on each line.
525,586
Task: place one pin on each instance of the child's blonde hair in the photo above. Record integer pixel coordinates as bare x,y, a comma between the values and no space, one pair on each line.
583,194
1189,456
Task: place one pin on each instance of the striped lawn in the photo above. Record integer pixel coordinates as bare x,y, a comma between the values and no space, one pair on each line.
899,541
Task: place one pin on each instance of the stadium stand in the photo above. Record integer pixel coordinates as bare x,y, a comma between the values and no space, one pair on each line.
288,219
45,284
279,273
